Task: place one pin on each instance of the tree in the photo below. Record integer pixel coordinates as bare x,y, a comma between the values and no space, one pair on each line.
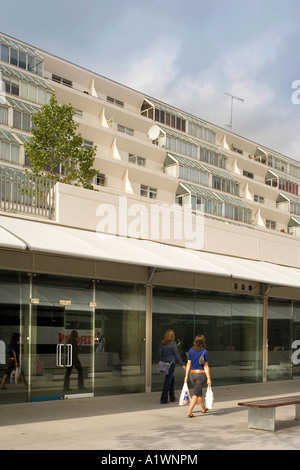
55,151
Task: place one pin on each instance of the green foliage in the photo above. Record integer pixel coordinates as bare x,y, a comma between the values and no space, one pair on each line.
55,150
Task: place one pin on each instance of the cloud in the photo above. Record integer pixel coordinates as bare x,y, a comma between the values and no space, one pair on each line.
154,69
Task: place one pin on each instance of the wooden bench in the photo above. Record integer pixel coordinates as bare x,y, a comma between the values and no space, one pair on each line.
261,413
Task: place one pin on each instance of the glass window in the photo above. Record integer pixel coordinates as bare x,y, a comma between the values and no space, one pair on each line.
3,115
31,63
17,119
4,53
296,337
9,152
15,153
22,60
279,339
14,56
14,87
5,151
232,326
26,122
14,292
119,333
32,92
24,90
6,85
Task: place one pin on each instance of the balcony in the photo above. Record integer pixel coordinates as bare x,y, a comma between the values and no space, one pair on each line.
25,194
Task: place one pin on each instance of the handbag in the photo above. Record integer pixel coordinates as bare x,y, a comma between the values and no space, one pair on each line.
209,398
163,367
201,359
185,396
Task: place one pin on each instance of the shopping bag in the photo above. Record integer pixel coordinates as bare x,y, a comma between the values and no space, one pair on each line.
185,396
209,398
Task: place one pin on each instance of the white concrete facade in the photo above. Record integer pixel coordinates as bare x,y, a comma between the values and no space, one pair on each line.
131,166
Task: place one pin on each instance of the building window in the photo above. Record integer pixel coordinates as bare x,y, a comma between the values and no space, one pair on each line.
125,130
21,120
136,160
165,116
63,81
193,175
288,186
170,119
271,224
28,91
4,53
212,157
181,146
148,191
248,174
88,144
15,56
3,115
238,213
11,86
9,152
225,185
259,199
100,179
115,101
201,132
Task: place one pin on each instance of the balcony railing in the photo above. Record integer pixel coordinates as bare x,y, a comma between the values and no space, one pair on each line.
24,193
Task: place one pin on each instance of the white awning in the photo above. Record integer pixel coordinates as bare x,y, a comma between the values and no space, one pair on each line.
50,238
7,240
45,237
255,271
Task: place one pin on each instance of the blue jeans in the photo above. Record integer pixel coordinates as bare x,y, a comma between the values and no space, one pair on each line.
169,385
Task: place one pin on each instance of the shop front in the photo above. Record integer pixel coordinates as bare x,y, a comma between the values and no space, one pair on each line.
77,337
84,337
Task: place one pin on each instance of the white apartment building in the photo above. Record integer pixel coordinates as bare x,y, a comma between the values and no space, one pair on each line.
190,227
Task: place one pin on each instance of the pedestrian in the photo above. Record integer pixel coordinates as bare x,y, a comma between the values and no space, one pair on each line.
168,352
73,340
13,360
199,372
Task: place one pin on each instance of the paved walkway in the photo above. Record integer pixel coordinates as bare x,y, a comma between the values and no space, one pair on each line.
139,422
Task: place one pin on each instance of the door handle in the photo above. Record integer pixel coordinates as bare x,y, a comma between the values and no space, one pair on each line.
69,355
59,355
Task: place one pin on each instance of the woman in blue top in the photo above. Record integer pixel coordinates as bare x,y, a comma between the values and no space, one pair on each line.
168,352
199,373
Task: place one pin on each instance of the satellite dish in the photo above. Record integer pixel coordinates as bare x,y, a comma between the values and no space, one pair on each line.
154,132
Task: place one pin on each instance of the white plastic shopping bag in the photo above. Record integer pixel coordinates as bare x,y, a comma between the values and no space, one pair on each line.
185,396
209,398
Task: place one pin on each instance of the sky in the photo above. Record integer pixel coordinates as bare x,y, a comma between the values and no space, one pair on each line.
187,53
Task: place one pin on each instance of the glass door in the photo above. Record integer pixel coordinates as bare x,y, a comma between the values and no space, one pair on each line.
14,290
75,350
62,335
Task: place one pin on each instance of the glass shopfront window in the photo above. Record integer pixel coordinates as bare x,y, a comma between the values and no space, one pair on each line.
296,340
14,331
62,336
77,337
232,326
120,338
63,321
280,328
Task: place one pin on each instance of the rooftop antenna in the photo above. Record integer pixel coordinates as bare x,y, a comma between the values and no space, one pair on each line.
232,98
